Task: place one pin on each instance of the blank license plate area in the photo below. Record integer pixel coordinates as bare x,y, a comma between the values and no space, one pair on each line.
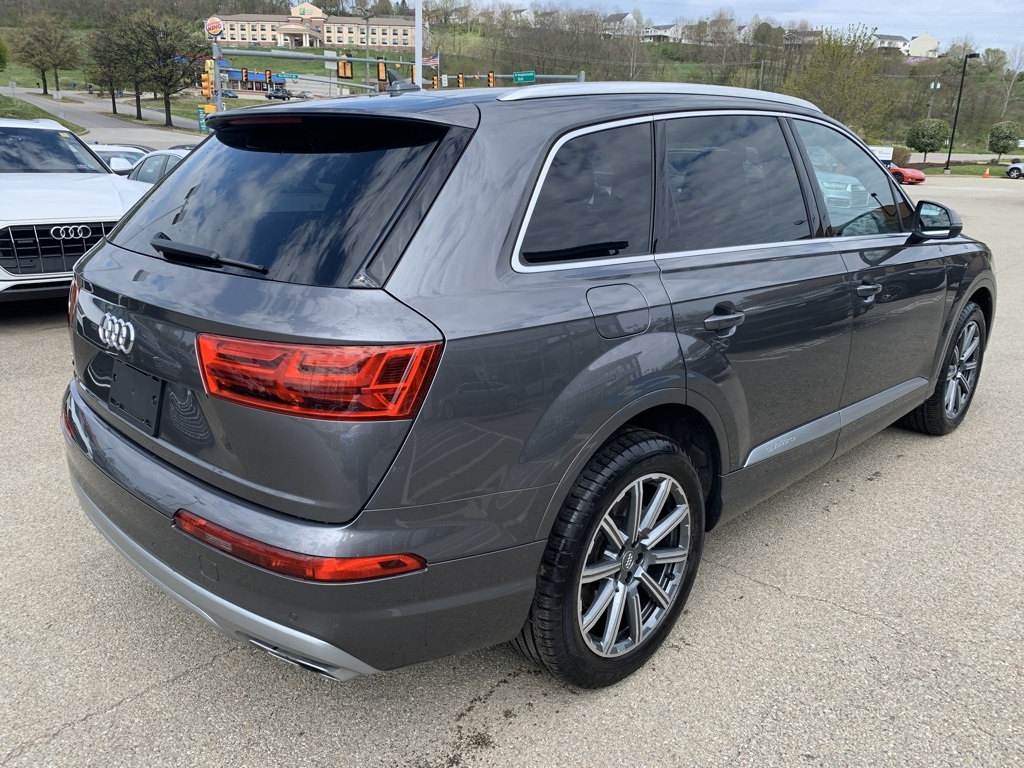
135,396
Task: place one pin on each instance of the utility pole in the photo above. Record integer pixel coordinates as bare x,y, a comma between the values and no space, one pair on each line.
935,86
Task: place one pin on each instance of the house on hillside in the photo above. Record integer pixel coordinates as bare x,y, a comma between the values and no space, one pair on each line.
796,38
619,25
891,42
663,33
923,47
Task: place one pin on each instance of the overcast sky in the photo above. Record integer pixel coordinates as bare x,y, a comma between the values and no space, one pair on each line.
992,23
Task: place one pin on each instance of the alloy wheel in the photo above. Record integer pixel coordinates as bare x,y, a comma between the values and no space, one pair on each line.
634,567
963,370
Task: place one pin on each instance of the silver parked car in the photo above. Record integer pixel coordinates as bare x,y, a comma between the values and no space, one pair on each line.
1015,171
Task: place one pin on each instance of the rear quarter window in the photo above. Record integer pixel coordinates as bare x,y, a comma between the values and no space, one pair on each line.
306,198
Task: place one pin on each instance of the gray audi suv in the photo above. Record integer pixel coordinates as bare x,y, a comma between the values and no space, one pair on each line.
372,381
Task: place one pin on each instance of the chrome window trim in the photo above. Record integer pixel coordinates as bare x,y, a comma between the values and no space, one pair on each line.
831,422
523,267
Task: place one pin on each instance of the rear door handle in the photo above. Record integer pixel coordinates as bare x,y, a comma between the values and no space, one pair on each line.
867,290
718,322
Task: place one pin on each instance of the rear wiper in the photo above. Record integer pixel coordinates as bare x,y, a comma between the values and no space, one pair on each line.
183,253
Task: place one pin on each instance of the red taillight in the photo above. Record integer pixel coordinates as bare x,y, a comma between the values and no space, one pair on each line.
296,564
321,382
72,301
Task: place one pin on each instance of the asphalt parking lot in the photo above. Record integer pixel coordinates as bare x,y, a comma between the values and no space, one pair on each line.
872,614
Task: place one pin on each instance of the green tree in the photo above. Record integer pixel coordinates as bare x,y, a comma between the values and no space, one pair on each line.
45,44
928,136
108,63
3,56
173,50
1004,137
842,77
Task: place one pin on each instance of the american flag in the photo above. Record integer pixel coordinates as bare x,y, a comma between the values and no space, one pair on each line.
432,61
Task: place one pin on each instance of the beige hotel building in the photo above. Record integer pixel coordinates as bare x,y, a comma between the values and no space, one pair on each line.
310,27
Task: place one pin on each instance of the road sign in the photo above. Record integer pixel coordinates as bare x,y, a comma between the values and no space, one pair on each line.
289,77
524,77
444,81
202,119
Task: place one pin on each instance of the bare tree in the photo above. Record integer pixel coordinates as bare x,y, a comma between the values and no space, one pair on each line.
1011,75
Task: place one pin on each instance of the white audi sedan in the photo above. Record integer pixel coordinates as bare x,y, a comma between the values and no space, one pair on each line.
57,200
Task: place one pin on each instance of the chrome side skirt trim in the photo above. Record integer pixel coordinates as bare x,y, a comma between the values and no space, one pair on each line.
832,422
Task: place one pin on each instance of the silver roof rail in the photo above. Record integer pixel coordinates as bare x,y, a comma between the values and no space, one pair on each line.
654,89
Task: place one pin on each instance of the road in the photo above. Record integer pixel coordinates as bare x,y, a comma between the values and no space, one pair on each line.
94,114
872,614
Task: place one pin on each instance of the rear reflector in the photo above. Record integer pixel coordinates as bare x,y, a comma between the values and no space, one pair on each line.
295,564
319,382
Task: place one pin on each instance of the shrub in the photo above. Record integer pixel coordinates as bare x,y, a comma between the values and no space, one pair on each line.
928,136
901,155
1003,137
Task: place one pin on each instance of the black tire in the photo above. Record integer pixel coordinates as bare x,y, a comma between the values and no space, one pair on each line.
954,392
898,177
1014,173
663,550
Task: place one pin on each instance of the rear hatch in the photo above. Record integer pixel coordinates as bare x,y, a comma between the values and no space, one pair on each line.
231,326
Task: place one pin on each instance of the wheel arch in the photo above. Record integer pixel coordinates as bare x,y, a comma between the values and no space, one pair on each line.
693,423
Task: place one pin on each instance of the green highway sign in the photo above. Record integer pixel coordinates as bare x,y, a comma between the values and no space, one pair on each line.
290,77
524,77
202,120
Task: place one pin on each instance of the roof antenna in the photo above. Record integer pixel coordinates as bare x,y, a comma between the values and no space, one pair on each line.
396,85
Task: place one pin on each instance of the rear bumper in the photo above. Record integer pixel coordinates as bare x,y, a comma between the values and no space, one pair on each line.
284,642
340,630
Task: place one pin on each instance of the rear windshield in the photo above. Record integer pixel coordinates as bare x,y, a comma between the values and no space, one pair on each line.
307,199
38,150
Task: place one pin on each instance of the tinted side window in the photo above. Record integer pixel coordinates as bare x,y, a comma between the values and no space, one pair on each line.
595,201
858,194
151,170
731,181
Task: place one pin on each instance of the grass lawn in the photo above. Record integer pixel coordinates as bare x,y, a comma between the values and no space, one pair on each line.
968,170
22,110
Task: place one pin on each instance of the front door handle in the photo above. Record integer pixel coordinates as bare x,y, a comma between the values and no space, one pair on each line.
718,322
867,290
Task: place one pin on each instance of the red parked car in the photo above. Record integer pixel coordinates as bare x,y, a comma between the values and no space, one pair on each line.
905,175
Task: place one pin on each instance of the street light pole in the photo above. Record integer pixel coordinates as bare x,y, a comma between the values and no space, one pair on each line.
956,115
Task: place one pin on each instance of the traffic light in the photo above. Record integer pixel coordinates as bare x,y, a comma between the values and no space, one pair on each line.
206,84
268,74
345,69
382,71
462,80
245,75
436,81
490,79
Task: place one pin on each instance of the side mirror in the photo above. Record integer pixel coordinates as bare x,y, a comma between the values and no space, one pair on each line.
120,166
933,221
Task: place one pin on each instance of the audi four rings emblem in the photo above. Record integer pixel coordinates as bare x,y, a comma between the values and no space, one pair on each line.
70,233
117,333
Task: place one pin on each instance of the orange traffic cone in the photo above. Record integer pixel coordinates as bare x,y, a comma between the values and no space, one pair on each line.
985,175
